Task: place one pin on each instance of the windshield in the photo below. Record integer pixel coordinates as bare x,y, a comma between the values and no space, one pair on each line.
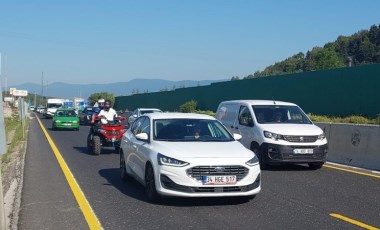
66,113
54,105
150,111
190,130
274,114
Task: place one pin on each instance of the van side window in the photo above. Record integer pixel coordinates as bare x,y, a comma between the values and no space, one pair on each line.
245,117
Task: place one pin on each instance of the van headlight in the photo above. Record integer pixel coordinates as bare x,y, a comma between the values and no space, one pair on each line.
253,161
322,136
273,136
164,160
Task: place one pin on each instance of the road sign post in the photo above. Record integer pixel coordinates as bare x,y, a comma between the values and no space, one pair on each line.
3,150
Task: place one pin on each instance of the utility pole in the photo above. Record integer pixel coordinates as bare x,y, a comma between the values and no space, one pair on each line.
3,150
42,89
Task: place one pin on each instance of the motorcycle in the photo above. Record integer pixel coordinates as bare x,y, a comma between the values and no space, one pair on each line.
105,134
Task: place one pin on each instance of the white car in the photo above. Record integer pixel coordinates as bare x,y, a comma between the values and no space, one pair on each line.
139,112
278,132
187,155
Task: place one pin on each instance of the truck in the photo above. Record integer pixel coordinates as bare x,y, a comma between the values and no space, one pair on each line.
52,105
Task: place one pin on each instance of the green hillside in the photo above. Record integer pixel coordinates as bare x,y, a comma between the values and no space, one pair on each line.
360,48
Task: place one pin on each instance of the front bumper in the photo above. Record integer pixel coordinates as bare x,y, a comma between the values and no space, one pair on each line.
66,125
273,153
175,181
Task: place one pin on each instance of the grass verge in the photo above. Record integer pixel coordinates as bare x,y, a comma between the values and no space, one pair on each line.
13,124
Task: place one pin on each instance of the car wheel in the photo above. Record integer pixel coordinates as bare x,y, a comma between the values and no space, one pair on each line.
53,127
96,145
315,166
123,171
255,148
150,185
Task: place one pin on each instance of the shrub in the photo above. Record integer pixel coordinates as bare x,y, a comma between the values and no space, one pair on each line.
188,107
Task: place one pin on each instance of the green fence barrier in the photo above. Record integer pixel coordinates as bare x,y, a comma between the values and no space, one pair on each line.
337,92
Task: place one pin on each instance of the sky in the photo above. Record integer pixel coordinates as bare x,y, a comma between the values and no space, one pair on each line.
85,42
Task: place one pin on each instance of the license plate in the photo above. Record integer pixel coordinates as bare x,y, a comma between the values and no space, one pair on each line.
213,180
303,151
67,124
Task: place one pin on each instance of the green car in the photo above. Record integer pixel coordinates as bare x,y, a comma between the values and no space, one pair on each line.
65,119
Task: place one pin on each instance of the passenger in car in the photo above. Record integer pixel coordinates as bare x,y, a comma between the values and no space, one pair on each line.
277,116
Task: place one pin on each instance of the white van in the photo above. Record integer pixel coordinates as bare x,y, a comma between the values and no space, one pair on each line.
52,105
278,132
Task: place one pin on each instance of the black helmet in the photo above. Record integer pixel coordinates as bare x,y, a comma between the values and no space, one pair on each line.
107,104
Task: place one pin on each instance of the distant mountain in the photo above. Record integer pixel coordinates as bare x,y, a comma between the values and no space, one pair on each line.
65,90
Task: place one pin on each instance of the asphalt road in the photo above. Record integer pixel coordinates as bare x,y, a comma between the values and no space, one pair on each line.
292,197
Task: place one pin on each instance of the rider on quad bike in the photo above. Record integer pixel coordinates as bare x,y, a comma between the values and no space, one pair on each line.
106,131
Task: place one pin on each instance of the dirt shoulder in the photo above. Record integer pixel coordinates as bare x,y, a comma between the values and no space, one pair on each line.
12,174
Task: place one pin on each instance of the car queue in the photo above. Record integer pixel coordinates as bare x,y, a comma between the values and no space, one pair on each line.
193,155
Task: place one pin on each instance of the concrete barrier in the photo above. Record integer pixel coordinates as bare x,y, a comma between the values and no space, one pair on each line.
352,144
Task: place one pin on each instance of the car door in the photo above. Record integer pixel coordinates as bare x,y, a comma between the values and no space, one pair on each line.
143,148
130,148
245,125
139,147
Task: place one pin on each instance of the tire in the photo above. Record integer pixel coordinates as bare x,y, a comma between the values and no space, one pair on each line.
123,171
53,127
255,148
117,150
315,166
150,185
89,144
96,145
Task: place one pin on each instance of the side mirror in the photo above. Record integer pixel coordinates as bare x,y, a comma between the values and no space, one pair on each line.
142,136
237,136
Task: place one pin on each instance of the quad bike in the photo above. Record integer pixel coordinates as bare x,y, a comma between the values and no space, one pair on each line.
105,135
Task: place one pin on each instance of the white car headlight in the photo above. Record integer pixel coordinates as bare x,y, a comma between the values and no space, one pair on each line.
75,121
253,161
273,136
322,136
57,121
164,160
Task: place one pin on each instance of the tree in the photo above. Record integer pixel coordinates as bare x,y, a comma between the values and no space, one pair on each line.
362,47
93,98
234,78
188,107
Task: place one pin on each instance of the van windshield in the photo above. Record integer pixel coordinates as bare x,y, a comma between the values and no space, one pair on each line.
54,105
274,114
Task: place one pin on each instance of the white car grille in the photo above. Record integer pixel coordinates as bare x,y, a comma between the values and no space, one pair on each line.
197,172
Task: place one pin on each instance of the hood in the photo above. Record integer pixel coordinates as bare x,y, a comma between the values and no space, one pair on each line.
233,149
293,129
